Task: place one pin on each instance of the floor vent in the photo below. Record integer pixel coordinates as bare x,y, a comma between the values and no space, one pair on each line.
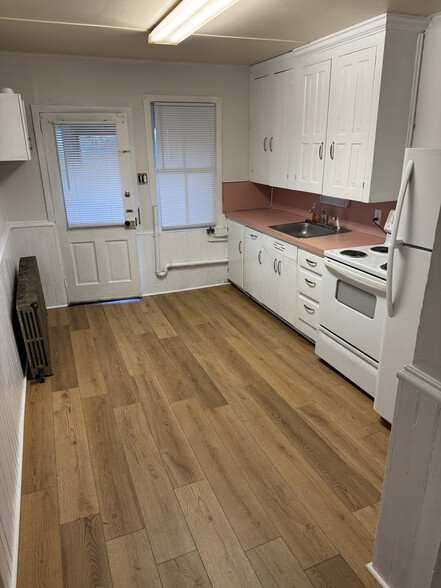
32,315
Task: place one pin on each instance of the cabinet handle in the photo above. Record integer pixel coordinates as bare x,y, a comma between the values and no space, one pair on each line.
240,246
310,283
279,268
311,263
253,236
331,150
271,144
259,257
265,141
321,151
275,266
309,309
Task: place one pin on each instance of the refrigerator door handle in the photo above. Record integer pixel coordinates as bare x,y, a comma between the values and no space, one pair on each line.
394,242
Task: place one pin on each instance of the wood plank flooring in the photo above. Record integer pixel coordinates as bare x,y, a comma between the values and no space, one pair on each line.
193,439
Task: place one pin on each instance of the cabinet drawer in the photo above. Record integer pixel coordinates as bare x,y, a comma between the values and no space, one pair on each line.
308,311
310,261
309,284
254,235
281,248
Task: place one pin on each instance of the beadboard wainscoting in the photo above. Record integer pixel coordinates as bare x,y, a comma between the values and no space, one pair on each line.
179,247
12,395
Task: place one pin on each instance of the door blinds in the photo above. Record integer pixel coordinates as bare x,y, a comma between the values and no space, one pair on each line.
90,173
185,161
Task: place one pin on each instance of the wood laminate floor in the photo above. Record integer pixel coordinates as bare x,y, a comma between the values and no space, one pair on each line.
192,439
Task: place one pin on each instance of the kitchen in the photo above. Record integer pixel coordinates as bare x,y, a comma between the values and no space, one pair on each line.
69,80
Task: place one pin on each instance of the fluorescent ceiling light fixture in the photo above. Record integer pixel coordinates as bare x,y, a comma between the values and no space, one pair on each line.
186,18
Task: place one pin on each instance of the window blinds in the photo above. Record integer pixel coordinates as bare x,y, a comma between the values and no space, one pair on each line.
90,173
186,174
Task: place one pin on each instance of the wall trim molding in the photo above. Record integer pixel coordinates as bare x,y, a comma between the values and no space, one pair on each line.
17,507
371,570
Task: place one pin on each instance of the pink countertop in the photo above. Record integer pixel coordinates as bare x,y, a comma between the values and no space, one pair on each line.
261,219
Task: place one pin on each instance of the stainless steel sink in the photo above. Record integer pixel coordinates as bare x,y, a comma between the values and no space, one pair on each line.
304,230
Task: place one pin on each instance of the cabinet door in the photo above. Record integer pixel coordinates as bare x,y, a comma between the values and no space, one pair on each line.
260,123
311,143
235,253
255,258
350,111
287,290
281,106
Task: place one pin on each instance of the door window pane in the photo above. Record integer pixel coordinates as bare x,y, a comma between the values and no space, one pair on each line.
90,173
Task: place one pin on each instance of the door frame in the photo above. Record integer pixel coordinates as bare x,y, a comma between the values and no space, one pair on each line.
37,111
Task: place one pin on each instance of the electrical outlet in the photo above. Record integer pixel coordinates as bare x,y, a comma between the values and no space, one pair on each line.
377,215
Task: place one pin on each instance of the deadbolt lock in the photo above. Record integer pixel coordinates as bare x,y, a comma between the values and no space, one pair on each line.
130,224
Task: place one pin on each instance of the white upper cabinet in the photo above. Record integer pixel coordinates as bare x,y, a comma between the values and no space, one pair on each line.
353,104
14,136
349,120
313,100
271,107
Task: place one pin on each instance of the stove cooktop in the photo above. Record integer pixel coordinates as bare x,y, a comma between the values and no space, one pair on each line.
367,258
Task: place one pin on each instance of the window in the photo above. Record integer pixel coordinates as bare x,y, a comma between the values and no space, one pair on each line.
184,136
90,173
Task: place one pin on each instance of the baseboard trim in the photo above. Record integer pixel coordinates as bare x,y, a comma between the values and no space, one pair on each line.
17,508
370,569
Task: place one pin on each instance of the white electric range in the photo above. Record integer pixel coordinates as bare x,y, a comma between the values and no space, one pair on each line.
352,312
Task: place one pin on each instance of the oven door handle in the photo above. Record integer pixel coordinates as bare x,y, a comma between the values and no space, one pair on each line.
355,275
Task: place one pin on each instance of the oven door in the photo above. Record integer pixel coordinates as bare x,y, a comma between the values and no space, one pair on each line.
353,306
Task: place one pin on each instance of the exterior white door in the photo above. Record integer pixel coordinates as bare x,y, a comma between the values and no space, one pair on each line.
350,106
310,149
89,172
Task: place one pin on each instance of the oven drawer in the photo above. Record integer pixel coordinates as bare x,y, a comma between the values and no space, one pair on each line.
309,284
307,311
311,262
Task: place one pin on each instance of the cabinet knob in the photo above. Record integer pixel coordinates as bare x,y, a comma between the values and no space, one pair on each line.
259,257
240,246
331,150
321,151
271,144
265,141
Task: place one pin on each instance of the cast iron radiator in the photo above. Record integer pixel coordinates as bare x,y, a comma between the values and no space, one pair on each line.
32,316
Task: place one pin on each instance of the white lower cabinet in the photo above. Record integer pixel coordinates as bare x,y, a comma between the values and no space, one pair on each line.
309,279
235,249
285,279
282,279
256,266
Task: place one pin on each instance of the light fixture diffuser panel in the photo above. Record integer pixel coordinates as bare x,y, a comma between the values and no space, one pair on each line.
186,18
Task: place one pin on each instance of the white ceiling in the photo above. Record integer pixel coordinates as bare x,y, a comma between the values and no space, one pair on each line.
248,32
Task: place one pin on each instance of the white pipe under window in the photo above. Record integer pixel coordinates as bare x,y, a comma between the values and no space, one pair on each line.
162,273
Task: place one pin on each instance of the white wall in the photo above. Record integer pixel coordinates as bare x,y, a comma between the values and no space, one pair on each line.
428,116
11,415
63,80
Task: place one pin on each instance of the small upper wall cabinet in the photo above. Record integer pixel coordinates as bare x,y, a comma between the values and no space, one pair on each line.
272,103
14,136
353,104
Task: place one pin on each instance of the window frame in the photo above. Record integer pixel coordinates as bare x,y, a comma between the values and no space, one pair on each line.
149,99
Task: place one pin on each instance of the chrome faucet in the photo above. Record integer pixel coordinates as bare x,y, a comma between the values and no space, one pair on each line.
337,223
323,219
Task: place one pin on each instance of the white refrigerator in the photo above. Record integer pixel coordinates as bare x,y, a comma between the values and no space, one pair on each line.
410,249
